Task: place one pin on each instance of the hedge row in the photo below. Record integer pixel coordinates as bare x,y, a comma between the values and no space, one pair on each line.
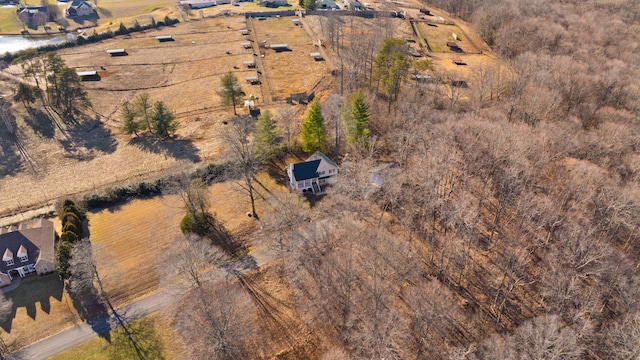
210,174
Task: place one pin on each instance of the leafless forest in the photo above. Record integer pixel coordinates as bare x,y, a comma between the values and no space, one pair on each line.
507,230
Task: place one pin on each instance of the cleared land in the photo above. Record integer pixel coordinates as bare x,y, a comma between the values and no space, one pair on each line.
287,71
44,163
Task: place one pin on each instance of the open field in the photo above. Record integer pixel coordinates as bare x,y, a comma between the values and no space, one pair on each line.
128,241
182,74
287,71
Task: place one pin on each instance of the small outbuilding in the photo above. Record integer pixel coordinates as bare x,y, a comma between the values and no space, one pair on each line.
88,75
117,52
244,32
246,45
250,64
253,80
279,47
316,56
164,38
459,62
295,22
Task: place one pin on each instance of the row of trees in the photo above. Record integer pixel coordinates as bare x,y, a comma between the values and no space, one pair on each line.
140,115
73,222
62,92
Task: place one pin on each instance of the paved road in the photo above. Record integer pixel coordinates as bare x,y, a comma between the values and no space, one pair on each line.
80,333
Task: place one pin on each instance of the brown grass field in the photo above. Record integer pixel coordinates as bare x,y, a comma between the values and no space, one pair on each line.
287,71
184,74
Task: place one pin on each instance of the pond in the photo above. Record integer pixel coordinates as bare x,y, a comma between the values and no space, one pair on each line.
13,43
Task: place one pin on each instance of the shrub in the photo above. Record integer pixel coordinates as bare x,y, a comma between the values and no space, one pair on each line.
195,223
63,257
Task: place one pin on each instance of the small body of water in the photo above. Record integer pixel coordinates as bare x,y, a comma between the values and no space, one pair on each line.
13,43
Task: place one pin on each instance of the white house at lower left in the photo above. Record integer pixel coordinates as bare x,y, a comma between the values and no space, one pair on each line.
26,249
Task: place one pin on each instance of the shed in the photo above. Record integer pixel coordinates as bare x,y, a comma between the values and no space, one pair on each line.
253,80
250,64
117,52
452,44
244,32
164,38
295,22
88,75
316,56
279,47
459,62
246,45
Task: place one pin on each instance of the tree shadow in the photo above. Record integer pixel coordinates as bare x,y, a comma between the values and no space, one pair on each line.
85,140
33,289
178,149
104,11
41,123
92,18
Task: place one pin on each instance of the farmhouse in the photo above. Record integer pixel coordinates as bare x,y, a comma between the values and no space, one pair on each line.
78,8
313,174
352,5
26,250
33,16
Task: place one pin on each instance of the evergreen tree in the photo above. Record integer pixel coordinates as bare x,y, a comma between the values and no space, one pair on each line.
309,4
314,134
230,91
163,120
391,67
70,92
63,256
266,137
142,108
356,116
130,122
27,94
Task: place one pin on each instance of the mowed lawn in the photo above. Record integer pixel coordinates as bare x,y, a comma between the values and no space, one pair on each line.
161,338
40,308
129,239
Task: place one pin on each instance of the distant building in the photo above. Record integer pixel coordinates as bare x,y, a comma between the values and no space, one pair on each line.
273,3
352,5
33,16
79,8
26,249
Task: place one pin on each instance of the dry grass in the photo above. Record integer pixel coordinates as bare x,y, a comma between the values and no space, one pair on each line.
288,71
128,242
41,309
182,74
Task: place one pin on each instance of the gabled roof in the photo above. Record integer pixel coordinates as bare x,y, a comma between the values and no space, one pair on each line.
320,156
8,255
306,170
37,241
79,3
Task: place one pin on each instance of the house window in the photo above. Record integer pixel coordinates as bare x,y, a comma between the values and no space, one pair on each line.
9,262
24,258
331,171
321,173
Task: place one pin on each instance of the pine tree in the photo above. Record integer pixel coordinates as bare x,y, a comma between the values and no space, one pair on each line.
163,120
356,117
266,147
314,134
130,123
230,91
142,107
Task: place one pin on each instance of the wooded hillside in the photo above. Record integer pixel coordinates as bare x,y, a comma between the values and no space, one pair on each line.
509,230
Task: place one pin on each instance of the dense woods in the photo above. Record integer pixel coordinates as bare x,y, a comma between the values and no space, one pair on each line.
505,223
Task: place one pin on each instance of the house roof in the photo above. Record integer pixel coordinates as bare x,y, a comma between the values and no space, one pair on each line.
306,170
37,241
76,4
320,156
